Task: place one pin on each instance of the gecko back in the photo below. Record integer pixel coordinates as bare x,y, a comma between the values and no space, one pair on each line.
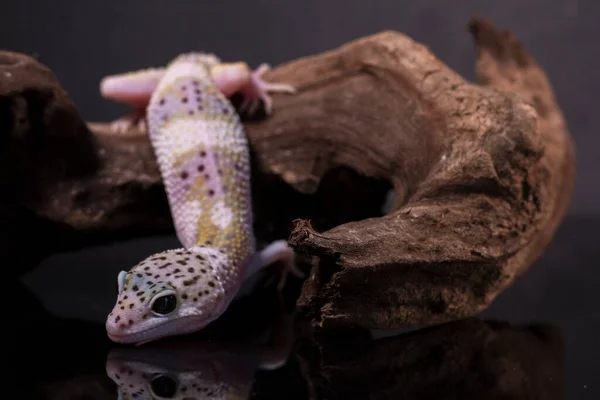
203,155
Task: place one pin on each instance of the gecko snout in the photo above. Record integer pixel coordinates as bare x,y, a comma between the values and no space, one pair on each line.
115,329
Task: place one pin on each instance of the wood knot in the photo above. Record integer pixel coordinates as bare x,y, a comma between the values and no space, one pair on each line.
300,233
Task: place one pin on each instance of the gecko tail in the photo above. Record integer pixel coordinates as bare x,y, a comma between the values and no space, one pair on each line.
202,152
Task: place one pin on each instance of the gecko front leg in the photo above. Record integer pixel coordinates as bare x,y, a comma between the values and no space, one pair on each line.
277,251
238,77
134,89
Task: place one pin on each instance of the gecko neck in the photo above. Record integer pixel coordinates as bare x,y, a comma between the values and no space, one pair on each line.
230,267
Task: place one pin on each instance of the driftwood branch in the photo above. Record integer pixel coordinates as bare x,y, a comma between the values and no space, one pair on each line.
481,173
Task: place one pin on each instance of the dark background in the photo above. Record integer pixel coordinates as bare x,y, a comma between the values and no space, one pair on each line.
81,41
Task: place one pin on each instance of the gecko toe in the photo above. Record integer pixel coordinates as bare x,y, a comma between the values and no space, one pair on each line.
253,106
268,103
282,282
262,68
290,268
296,272
279,87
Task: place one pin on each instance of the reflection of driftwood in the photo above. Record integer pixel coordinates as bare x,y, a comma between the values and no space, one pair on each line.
467,359
480,183
463,360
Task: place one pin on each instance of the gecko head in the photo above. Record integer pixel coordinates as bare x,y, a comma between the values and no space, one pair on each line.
170,293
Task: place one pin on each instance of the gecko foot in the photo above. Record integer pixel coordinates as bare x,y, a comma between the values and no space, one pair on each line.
259,89
288,268
277,251
136,119
288,258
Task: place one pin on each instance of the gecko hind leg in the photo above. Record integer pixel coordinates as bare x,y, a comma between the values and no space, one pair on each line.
134,89
277,251
258,89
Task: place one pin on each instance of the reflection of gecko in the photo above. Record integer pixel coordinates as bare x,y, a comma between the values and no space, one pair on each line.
188,369
203,156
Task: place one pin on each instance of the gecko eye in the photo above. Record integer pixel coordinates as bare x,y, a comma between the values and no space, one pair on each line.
164,386
164,303
121,281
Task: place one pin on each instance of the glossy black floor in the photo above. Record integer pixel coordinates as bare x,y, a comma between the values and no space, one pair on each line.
539,340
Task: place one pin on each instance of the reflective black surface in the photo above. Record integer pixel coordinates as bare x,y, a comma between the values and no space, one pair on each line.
539,340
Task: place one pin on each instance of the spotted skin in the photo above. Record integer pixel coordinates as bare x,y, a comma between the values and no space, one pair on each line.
140,378
140,382
203,156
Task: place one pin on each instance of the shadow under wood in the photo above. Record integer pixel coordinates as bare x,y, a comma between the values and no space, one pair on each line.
342,196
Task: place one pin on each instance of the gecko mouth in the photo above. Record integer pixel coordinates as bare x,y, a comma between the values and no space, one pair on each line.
180,326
